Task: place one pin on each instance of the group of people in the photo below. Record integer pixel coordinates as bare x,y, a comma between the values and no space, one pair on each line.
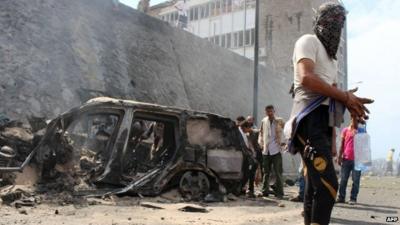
318,107
265,146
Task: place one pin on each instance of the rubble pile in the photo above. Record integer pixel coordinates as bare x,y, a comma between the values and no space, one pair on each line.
16,143
16,140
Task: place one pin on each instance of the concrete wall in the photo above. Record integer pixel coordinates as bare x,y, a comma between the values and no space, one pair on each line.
56,54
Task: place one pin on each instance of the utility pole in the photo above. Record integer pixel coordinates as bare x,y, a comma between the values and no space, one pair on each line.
255,90
244,29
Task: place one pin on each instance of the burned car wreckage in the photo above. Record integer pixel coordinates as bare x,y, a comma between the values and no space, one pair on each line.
121,146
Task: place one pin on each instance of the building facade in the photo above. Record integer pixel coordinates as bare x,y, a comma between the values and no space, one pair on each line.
227,23
230,24
282,22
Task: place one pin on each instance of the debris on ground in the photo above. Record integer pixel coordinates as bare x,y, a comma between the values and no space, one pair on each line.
150,205
215,197
23,211
290,182
232,197
195,209
16,142
19,198
172,195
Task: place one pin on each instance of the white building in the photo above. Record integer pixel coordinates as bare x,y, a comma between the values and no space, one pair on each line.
227,23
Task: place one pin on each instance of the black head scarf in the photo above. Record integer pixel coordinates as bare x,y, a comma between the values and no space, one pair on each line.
328,25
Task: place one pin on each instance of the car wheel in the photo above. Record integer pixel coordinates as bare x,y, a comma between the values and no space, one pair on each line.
194,185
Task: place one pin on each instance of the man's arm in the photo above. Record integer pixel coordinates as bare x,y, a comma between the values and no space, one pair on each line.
334,151
314,83
340,156
261,136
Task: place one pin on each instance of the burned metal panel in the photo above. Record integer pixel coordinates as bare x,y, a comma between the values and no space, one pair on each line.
200,132
195,154
218,137
226,163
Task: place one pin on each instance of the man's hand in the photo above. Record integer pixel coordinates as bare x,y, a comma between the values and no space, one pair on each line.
356,106
314,83
339,160
334,152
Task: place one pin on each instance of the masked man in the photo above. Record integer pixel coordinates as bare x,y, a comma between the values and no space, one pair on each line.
310,127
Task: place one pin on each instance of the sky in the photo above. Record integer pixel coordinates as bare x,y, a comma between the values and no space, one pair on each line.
373,28
373,52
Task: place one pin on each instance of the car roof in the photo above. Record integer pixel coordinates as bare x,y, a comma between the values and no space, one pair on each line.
144,105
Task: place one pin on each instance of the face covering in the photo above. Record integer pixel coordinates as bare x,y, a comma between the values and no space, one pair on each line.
328,25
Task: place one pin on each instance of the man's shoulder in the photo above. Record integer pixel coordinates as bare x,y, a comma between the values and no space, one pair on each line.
307,39
344,130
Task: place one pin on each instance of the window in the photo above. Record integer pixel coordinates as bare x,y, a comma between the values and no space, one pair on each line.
212,39
223,40
201,8
191,14
240,39
235,40
247,38
253,35
196,13
151,142
176,16
212,9
223,7
92,132
229,7
217,40
228,40
217,8
207,10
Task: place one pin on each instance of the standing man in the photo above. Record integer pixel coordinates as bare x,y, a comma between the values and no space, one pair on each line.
398,166
182,8
346,161
239,120
250,119
250,164
389,162
253,137
253,141
270,140
309,130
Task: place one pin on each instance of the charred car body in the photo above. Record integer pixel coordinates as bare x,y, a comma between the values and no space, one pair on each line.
122,146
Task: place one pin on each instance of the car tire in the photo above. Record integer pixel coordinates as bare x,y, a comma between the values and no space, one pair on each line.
194,185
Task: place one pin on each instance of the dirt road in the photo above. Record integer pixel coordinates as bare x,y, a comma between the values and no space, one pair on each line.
378,198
